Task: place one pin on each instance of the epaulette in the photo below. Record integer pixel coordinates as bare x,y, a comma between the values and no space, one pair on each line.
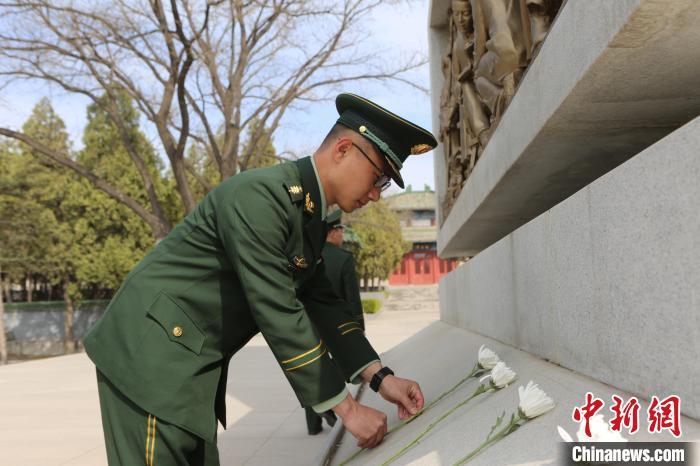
296,193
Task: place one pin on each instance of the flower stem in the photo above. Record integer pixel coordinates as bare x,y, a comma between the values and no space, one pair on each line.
476,371
481,389
512,425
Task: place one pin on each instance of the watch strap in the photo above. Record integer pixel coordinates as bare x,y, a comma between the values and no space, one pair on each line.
378,377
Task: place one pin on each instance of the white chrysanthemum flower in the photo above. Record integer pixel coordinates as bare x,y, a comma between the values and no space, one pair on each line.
487,358
501,375
533,401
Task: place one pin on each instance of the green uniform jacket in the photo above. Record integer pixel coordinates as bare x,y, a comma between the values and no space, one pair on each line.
340,269
246,260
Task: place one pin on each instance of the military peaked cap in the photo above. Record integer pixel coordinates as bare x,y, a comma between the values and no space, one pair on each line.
394,137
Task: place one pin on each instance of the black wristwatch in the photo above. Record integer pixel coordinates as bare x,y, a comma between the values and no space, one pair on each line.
378,377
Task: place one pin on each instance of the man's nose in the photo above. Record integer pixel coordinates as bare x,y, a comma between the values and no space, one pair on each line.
375,194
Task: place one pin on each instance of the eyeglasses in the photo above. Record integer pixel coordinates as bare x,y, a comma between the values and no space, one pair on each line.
383,181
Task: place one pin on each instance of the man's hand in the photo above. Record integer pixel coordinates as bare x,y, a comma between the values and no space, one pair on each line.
366,424
406,394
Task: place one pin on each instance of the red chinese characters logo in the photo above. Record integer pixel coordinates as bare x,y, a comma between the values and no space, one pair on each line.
627,415
665,414
662,414
587,411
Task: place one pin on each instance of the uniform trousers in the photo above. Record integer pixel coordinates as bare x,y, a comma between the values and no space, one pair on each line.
135,437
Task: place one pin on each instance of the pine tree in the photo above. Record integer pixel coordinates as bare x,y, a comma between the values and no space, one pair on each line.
381,243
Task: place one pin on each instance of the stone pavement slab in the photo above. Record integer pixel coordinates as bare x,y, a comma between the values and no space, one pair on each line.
50,415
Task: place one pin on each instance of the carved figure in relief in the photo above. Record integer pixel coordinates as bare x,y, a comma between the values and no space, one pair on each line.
473,118
542,13
491,44
501,50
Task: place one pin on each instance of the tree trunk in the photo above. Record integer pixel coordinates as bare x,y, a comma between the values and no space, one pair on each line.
68,340
29,284
7,285
3,345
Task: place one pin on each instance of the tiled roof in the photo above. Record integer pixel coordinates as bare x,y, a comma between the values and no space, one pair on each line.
419,234
412,200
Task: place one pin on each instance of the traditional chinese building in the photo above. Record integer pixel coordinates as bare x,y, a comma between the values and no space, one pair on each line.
421,265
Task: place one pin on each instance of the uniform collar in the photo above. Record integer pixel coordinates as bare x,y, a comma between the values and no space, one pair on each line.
320,188
313,205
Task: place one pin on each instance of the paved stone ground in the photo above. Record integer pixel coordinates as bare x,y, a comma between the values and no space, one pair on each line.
49,411
268,425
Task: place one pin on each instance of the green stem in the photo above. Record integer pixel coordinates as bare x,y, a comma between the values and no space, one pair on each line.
512,425
481,389
476,371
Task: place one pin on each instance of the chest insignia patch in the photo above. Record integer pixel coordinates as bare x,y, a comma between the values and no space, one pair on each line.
309,207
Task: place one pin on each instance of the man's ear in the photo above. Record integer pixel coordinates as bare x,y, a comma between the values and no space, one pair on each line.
341,148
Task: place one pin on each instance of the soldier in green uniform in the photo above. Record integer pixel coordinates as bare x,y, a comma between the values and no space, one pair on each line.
340,270
247,259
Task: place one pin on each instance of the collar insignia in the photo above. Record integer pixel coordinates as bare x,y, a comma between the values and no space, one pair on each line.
309,208
295,189
300,262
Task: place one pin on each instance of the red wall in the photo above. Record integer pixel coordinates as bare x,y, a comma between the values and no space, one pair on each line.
421,268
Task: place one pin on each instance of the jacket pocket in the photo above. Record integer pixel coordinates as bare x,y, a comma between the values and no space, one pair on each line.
176,323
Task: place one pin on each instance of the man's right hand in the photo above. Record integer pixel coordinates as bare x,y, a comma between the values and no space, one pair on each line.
366,424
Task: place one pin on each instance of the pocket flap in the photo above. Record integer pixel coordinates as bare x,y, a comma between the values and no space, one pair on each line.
176,323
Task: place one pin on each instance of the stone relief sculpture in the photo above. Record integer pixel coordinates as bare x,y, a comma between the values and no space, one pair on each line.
491,44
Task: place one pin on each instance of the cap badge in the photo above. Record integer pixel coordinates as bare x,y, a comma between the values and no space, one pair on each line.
420,149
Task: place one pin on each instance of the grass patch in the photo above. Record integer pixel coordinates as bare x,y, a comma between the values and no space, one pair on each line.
371,306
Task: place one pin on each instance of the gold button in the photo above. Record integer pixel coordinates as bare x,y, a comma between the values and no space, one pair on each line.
363,128
177,331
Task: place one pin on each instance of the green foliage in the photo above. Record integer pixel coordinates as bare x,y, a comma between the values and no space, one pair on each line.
208,176
33,191
104,154
56,224
19,242
264,153
114,238
382,245
206,169
371,306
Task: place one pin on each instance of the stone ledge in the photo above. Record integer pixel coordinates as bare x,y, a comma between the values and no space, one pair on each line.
605,283
612,78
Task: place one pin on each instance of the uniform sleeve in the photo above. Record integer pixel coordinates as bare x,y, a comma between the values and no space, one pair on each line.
253,223
351,289
343,335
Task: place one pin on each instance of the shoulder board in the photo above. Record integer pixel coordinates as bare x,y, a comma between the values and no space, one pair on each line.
296,193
